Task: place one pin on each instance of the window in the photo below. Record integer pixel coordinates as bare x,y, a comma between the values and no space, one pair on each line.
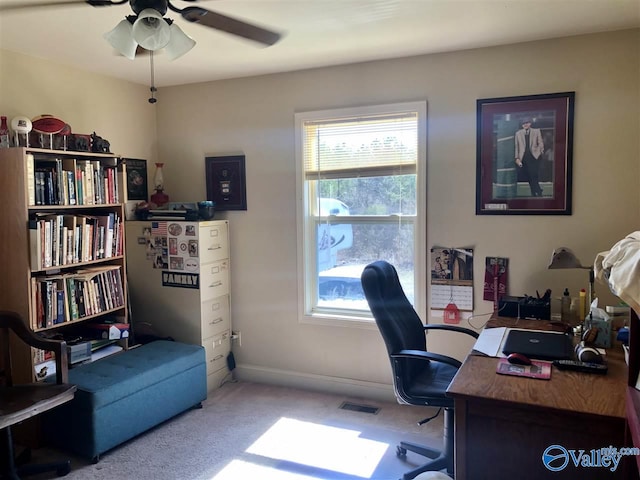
361,198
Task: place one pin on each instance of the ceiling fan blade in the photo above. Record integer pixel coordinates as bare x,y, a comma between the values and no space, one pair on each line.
229,25
59,3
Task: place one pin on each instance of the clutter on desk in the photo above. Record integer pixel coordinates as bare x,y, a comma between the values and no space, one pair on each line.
579,366
599,321
587,353
623,335
536,308
538,369
620,315
582,310
565,307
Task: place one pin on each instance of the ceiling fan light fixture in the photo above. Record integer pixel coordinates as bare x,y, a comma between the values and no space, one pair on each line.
150,30
121,38
179,44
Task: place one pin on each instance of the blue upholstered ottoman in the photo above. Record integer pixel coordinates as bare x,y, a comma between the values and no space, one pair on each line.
123,395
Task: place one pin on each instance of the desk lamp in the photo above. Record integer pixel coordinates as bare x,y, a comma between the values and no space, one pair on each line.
563,257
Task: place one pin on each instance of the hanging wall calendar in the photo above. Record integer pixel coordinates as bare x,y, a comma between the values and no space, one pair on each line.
452,278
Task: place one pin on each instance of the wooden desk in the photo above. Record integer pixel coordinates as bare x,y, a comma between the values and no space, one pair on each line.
504,423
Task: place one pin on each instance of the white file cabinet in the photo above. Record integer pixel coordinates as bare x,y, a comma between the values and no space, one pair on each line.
179,285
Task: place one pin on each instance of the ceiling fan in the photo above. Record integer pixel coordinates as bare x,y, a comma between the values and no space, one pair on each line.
148,28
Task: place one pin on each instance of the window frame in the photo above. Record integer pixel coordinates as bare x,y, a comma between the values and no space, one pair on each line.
306,250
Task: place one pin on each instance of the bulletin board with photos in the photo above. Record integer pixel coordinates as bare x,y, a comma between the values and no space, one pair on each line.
172,246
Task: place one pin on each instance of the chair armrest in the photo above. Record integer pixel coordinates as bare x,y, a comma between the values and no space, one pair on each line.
13,321
422,355
451,328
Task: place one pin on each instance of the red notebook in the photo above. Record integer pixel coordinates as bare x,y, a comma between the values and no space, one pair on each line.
537,369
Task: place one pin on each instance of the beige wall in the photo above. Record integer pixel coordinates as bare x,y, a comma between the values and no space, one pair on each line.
114,109
254,116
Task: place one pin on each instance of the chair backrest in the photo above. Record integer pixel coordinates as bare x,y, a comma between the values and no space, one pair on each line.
397,320
12,321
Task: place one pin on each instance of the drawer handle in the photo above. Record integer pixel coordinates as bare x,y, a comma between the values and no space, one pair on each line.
216,358
215,247
217,320
216,284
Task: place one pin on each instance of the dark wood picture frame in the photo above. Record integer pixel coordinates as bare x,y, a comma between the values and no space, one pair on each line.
226,182
507,187
137,183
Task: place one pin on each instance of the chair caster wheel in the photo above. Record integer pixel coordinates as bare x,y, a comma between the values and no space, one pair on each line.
64,469
401,452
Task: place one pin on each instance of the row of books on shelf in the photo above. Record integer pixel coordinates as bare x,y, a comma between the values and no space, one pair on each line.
40,356
69,181
59,240
57,299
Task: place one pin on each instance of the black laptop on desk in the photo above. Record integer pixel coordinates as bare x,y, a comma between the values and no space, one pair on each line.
539,345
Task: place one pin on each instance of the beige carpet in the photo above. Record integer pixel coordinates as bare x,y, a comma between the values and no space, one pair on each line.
254,431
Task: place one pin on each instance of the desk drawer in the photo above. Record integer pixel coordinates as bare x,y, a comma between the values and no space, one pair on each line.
214,242
215,316
214,280
216,350
215,379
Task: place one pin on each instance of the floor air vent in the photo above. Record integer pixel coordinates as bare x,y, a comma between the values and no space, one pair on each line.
356,407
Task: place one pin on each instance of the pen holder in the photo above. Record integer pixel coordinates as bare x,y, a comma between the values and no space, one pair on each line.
524,307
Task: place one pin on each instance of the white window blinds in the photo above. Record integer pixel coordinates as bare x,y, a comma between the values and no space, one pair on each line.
358,147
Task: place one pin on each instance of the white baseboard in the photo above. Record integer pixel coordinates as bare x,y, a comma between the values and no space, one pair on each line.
321,383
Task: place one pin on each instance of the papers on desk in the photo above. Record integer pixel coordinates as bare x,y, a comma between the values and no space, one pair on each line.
490,341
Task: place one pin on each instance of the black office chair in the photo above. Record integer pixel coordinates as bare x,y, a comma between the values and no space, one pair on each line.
419,377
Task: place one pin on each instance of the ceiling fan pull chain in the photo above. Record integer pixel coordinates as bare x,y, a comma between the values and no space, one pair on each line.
153,88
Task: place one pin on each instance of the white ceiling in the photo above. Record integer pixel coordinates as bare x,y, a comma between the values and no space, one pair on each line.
315,33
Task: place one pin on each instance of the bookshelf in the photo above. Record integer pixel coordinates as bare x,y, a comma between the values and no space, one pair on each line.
62,237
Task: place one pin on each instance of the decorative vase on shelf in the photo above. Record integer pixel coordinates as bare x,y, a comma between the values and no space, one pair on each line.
159,198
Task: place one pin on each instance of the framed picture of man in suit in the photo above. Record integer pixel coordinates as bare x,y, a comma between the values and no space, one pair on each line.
524,153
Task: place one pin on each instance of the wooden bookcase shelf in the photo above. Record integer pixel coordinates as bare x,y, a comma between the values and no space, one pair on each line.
62,228
79,264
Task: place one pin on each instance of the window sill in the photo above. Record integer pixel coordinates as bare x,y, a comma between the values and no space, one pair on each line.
366,323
